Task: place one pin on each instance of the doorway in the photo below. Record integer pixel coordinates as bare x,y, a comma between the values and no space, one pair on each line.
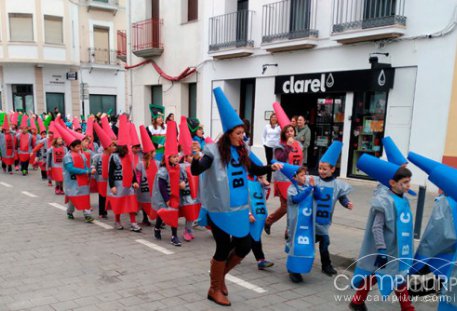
325,117
23,97
55,100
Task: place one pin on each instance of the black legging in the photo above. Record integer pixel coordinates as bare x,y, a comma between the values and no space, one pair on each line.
225,243
101,205
257,249
269,156
159,222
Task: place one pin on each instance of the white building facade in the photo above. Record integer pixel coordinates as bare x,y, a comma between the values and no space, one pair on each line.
45,49
358,70
314,58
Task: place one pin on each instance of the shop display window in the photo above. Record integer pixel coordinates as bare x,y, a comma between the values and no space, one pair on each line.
367,131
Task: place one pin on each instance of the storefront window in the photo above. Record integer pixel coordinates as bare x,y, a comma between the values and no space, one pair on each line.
368,119
329,124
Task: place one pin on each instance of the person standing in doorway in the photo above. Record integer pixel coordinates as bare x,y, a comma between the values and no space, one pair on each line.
303,137
271,139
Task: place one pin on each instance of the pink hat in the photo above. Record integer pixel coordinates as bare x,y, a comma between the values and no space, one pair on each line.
283,120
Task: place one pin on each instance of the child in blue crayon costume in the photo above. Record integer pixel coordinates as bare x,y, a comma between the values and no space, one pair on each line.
301,217
387,248
332,190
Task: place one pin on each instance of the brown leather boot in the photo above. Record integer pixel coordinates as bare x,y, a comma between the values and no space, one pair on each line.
232,261
217,277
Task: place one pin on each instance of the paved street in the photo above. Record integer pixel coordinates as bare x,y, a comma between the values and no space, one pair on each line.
51,263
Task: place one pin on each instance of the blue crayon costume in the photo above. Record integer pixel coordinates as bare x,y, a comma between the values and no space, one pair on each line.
331,190
437,249
387,248
301,221
224,192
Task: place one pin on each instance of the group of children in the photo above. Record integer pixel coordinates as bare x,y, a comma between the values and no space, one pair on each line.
130,177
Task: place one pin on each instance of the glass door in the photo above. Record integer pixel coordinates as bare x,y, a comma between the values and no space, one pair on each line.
55,100
329,124
23,97
367,130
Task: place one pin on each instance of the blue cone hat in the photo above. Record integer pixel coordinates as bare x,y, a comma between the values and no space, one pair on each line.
229,118
394,154
288,170
255,159
333,153
444,176
378,169
425,164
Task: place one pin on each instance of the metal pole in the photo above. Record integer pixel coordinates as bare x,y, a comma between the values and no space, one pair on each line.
419,212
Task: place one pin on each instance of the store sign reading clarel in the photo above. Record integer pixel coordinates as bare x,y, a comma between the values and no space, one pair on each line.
340,81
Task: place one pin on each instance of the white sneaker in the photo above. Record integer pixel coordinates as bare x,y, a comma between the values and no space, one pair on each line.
135,228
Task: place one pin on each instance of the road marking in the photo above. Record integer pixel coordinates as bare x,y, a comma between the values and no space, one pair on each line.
29,194
5,184
57,205
155,247
245,284
101,224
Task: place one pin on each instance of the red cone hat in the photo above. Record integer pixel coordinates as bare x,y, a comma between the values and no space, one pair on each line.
134,140
67,137
105,140
24,120
76,124
52,129
185,139
107,128
14,118
33,124
41,125
148,146
124,131
171,142
90,127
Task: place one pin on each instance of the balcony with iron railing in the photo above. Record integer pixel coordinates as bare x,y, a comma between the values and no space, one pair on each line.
230,35
367,20
289,25
122,45
104,5
146,37
103,57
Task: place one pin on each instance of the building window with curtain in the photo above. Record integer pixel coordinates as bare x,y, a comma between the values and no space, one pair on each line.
53,29
21,27
192,10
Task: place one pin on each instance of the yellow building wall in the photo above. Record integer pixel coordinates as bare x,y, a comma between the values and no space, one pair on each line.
450,151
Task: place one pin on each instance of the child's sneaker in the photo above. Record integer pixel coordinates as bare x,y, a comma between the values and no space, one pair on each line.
118,226
24,172
263,264
57,191
49,183
70,216
104,216
187,236
16,168
135,228
88,218
157,234
175,241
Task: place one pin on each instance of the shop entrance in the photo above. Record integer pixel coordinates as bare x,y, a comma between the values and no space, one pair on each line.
325,117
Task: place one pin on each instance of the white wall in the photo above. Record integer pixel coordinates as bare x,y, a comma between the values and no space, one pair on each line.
418,104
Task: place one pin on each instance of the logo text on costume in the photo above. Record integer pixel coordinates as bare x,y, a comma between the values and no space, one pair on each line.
308,85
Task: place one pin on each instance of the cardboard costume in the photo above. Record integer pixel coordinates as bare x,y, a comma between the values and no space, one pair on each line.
398,231
224,188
